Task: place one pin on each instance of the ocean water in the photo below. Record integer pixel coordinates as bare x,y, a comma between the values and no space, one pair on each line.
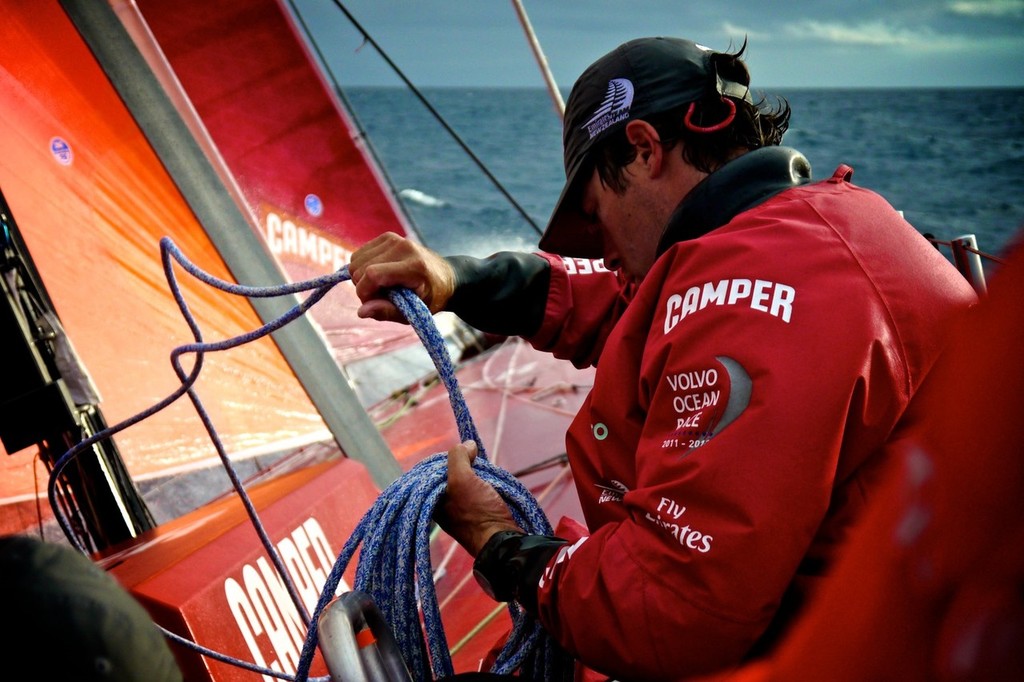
951,160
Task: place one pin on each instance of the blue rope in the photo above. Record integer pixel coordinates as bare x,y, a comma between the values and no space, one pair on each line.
394,533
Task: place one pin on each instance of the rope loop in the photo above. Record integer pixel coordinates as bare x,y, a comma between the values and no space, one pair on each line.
394,565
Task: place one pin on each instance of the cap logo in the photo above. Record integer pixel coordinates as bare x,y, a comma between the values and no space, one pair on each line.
615,107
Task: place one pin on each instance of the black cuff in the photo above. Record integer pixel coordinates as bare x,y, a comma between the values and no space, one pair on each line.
510,565
504,294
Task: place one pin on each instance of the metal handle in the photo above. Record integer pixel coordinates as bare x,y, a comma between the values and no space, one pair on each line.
357,643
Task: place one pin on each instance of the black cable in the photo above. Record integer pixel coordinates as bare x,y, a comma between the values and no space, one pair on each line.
419,95
359,128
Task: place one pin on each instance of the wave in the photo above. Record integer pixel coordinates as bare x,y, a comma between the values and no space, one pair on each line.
422,198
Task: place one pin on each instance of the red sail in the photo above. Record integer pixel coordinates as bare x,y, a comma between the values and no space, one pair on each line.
92,201
288,142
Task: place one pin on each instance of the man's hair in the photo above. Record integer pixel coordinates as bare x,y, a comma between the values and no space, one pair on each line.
756,125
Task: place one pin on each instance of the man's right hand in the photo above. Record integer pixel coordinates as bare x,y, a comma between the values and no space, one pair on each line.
390,261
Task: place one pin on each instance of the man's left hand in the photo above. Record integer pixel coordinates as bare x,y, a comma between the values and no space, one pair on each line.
471,510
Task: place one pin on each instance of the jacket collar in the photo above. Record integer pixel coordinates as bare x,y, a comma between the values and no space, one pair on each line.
739,185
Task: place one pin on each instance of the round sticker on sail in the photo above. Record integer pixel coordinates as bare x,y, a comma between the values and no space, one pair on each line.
61,151
314,206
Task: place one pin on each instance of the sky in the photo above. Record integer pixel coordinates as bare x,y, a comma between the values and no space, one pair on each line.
791,44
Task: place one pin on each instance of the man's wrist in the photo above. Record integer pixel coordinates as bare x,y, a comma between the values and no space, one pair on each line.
509,565
505,293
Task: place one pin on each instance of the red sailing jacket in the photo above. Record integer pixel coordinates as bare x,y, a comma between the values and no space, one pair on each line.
737,402
928,586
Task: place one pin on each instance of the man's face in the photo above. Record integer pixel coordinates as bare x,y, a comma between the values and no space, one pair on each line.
627,223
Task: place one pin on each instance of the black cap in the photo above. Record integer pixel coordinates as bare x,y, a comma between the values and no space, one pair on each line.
65,615
637,79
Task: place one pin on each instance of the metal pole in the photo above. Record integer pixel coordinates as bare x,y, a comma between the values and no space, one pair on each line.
968,261
542,61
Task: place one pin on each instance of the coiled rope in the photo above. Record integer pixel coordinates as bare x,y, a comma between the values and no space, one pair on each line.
394,565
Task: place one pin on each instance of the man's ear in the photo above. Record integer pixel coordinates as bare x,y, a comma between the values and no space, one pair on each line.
649,150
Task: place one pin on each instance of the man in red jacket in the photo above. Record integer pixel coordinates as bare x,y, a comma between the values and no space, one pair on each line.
756,336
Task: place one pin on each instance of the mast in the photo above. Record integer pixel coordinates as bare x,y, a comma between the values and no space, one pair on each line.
542,61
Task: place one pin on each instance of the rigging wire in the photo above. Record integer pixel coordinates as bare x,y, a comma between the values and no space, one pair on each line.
970,249
361,135
423,100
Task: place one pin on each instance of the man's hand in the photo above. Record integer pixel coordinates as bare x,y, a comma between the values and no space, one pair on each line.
391,261
471,510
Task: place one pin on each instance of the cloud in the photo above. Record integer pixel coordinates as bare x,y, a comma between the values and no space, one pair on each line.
875,33
988,8
739,32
